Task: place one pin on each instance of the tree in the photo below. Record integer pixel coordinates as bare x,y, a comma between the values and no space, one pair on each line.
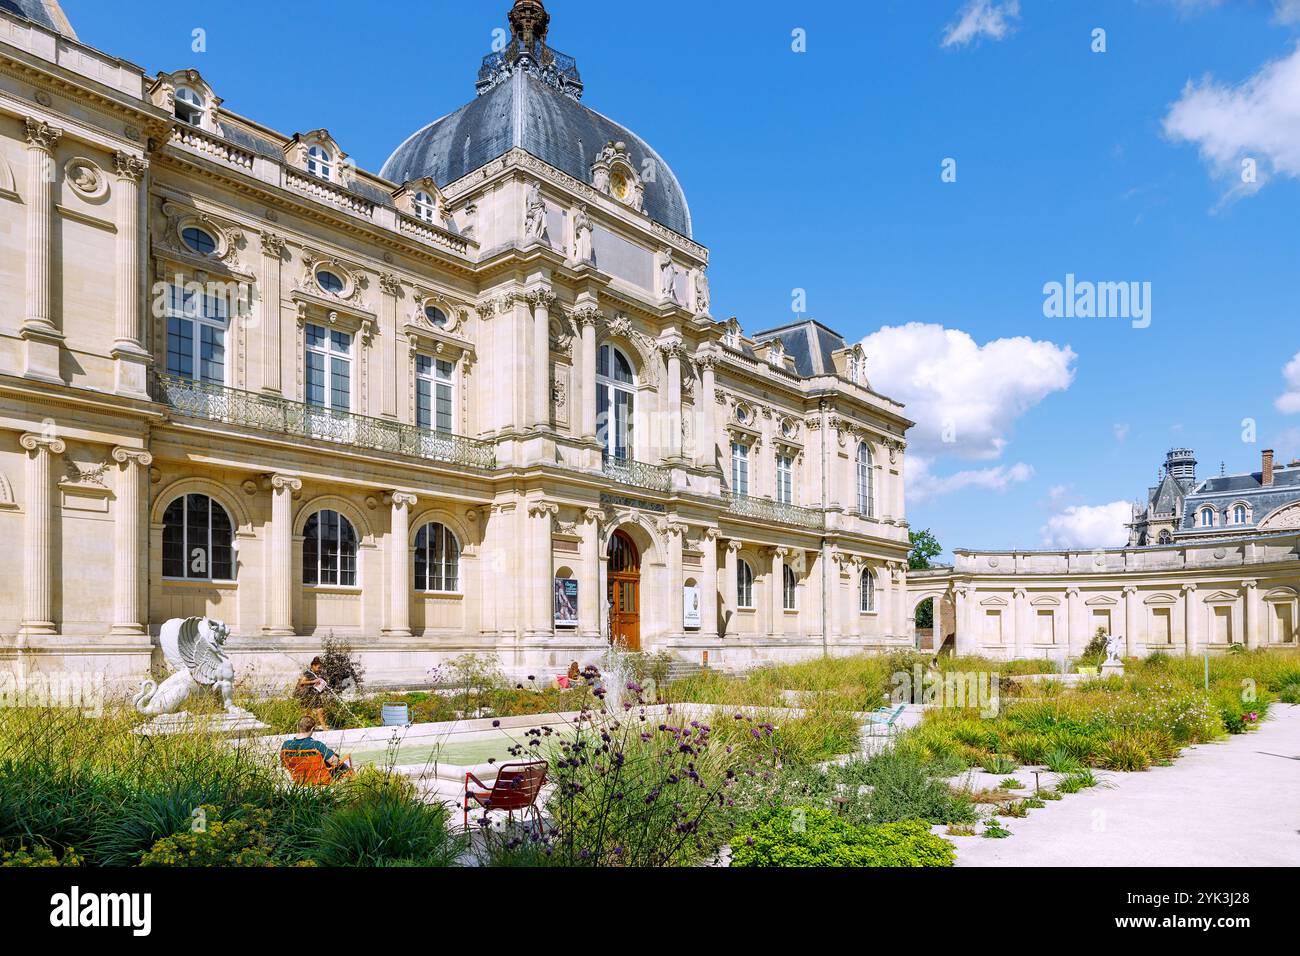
924,548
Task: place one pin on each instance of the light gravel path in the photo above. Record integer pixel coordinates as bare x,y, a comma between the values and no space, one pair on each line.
1235,803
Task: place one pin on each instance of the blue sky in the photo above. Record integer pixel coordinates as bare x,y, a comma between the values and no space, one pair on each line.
821,171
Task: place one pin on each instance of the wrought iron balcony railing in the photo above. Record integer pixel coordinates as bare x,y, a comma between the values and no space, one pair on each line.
271,413
765,509
628,471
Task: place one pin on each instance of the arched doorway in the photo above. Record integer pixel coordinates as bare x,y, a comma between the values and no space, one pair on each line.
624,592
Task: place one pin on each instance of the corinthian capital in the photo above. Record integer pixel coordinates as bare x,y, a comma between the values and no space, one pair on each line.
130,167
540,298
41,135
587,315
34,442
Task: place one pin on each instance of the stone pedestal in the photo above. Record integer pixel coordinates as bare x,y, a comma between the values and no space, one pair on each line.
1112,669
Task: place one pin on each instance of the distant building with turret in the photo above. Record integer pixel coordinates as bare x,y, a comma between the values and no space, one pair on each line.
1179,507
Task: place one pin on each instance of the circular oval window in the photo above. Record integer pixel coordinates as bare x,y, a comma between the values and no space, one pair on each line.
437,318
329,282
199,241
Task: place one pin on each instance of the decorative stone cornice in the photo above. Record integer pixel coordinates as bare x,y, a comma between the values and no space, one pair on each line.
41,135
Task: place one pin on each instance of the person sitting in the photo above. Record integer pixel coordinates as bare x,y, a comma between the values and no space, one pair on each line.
310,691
304,741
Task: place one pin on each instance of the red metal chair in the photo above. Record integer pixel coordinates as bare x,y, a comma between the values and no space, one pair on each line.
308,768
517,787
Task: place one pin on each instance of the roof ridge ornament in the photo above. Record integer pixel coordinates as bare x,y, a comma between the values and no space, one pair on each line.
529,53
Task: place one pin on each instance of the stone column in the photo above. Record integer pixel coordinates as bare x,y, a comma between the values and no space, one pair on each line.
1075,636
129,352
675,535
273,247
732,598
129,542
1021,638
779,556
540,569
589,589
902,624
1254,636
587,319
1191,639
540,365
1131,620
672,350
836,626
38,544
399,564
392,352
709,585
42,338
706,433
280,616
966,641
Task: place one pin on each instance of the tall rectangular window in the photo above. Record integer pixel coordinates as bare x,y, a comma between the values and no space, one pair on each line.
329,368
196,335
739,469
785,479
435,392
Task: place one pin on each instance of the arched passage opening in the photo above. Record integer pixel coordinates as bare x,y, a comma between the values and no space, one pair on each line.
623,591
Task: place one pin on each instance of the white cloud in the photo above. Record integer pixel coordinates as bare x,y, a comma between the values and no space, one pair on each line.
1288,11
923,485
1121,431
1089,526
982,18
1057,492
1288,403
964,397
1258,120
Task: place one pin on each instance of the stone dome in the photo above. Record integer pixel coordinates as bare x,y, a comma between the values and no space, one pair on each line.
530,98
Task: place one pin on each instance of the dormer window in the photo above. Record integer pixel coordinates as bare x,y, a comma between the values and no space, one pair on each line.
189,106
1240,513
1207,517
320,163
329,282
199,241
425,207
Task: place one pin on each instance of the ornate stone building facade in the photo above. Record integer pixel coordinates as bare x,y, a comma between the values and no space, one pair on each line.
476,402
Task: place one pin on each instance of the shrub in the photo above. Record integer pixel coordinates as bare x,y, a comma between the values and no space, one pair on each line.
1059,760
1074,782
813,837
995,831
999,764
39,856
237,842
381,823
902,789
1290,694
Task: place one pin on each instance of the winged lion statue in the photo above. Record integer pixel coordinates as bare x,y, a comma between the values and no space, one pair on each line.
195,648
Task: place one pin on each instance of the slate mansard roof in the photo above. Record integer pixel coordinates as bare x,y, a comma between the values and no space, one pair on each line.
47,13
1225,491
528,113
810,344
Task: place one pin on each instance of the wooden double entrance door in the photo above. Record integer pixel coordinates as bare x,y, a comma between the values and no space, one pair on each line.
624,592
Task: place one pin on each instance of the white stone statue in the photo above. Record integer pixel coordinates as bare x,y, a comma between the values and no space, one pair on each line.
195,648
1114,649
535,222
701,293
582,249
667,277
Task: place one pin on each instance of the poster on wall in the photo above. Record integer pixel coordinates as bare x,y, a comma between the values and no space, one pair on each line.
566,602
691,606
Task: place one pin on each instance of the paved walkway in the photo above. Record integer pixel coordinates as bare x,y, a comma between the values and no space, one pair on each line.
1226,804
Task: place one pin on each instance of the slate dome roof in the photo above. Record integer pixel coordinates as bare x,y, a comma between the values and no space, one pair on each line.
529,98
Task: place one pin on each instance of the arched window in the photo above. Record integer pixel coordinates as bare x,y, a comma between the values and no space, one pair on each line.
789,588
867,592
437,560
189,106
1240,514
425,207
329,551
320,163
866,482
198,540
1207,517
615,402
1166,537
744,585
